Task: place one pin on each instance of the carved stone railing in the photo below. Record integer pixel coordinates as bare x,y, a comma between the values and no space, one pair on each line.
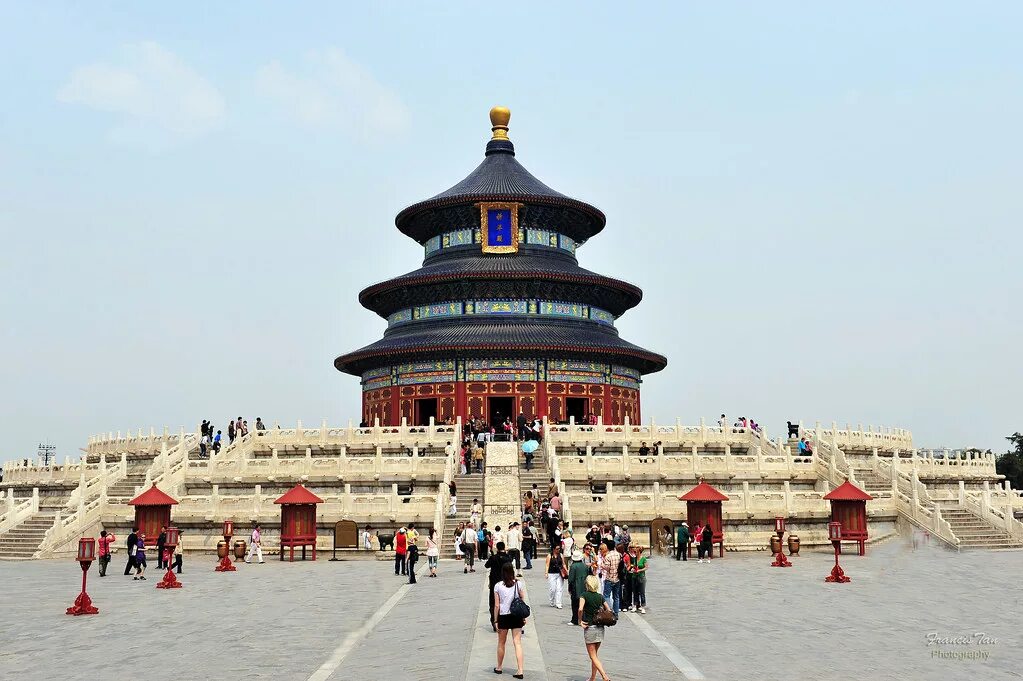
885,439
17,473
671,436
337,466
772,463
16,512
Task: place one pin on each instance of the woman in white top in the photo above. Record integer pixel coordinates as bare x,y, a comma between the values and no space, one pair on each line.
432,551
505,592
458,541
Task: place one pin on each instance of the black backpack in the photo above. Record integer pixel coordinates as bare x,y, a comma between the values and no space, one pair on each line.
413,552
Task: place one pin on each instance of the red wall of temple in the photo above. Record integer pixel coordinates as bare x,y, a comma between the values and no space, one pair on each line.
474,399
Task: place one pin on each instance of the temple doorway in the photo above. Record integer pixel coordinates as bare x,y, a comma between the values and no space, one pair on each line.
425,410
579,407
499,408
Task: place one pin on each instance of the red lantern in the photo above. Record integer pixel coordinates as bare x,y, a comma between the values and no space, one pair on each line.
86,549
837,574
86,554
779,559
225,564
169,581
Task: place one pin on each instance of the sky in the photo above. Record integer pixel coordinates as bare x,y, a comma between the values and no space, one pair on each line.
820,203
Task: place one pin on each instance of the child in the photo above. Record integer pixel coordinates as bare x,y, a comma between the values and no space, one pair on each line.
140,558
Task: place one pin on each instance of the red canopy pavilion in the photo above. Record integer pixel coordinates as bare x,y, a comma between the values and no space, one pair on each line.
703,506
298,520
152,512
849,508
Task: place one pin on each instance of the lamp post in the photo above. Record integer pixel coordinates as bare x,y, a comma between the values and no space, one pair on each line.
169,581
225,564
779,559
837,574
86,554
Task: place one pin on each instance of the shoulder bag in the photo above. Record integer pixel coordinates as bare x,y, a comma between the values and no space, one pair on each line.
518,607
605,617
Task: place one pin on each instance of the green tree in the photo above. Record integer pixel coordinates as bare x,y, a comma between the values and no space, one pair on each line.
1010,464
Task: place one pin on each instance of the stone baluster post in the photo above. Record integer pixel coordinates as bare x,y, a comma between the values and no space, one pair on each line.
257,500
342,461
696,462
986,499
962,492
658,510
346,499
626,467
215,501
703,432
378,462
746,501
608,505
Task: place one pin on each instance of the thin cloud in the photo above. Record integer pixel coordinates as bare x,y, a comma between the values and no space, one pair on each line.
332,90
152,89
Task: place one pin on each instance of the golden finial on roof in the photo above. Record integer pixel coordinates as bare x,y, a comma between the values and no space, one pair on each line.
499,117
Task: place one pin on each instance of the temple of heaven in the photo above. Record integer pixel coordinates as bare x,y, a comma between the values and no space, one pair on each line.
500,319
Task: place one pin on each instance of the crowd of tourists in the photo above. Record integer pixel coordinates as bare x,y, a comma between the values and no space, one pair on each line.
135,545
211,438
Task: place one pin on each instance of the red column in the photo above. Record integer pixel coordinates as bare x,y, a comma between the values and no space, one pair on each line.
541,399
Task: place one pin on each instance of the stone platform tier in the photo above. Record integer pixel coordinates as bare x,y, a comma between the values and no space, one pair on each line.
390,476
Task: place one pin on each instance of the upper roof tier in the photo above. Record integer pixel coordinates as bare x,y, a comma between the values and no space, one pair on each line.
500,177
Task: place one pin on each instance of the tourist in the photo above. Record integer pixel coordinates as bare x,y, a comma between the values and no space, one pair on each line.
625,577
556,573
412,535
482,541
453,494
458,541
577,575
624,537
412,553
682,542
259,426
230,432
514,543
216,443
593,536
505,591
593,634
695,536
639,568
527,506
644,451
555,502
245,428
496,565
554,532
706,545
612,581
552,488
204,428
175,564
105,540
469,548
161,542
204,444
567,546
520,422
601,555
131,544
528,544
400,553
475,513
255,545
477,457
432,551
589,560
140,558
367,540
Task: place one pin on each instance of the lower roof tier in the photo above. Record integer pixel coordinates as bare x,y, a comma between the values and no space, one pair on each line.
585,340
496,276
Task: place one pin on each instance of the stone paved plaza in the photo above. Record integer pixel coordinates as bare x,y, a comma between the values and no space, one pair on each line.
735,618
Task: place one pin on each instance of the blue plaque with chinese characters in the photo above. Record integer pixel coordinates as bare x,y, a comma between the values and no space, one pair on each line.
499,224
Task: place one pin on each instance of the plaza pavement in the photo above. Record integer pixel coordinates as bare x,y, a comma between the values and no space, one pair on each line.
735,618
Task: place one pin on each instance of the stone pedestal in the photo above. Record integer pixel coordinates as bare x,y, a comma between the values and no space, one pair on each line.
501,485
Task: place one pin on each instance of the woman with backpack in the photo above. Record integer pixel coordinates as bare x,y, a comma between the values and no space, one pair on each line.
507,591
590,605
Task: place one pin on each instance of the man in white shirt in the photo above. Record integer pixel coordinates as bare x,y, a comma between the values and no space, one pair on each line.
468,539
513,541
